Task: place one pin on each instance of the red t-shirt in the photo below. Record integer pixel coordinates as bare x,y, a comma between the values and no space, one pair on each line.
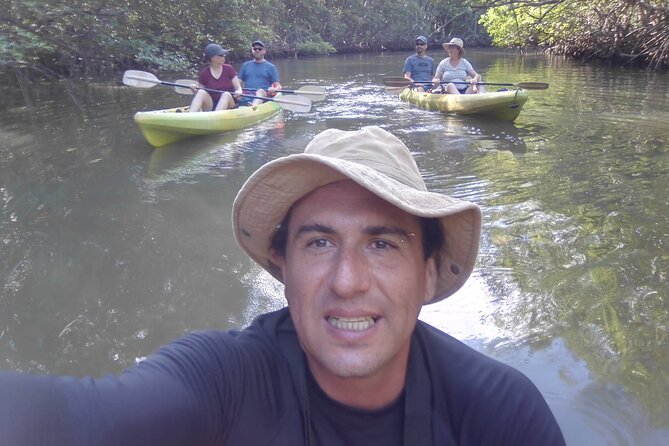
224,82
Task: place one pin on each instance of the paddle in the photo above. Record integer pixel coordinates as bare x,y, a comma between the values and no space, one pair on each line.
142,79
397,82
314,92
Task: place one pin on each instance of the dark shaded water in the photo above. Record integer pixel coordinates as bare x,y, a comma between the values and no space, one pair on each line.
109,248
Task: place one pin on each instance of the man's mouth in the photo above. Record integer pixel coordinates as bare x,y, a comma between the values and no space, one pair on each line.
352,323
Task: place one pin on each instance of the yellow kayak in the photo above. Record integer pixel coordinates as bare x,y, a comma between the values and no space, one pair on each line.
162,127
503,105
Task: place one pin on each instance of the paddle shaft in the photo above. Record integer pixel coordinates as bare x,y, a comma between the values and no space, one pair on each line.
526,85
212,90
143,79
403,82
282,90
315,92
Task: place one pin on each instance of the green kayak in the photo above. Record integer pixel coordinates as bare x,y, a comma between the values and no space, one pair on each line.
502,105
162,127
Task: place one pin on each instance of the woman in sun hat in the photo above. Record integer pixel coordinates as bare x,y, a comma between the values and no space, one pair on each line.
456,71
217,75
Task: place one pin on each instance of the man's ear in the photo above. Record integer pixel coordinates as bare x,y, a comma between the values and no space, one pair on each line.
277,262
431,275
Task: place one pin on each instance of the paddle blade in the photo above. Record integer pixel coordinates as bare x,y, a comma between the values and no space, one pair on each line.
396,81
313,92
140,79
532,85
184,86
296,103
395,90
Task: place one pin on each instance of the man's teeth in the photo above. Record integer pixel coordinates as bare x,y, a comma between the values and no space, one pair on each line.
351,324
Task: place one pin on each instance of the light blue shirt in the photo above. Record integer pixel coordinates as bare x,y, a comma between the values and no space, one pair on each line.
258,75
421,68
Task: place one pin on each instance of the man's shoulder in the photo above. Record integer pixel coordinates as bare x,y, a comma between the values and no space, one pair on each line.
463,366
487,399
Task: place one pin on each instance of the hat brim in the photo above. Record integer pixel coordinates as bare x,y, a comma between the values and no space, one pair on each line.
446,44
265,199
223,53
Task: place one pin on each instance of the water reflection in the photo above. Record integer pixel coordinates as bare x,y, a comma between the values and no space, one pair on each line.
210,154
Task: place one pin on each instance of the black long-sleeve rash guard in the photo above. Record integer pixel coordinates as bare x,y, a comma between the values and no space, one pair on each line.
236,388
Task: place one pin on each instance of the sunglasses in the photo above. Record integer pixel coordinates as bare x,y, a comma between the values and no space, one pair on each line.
257,48
420,44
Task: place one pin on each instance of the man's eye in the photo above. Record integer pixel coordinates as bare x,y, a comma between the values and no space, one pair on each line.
383,244
319,243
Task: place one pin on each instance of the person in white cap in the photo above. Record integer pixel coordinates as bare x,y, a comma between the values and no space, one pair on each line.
455,75
360,245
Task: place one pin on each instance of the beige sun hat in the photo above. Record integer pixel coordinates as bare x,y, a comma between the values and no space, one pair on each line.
457,42
377,161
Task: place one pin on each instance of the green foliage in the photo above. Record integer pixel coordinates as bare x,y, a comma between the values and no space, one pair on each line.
313,48
90,37
614,29
152,55
517,25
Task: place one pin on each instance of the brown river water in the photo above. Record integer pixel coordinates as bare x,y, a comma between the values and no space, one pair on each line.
109,248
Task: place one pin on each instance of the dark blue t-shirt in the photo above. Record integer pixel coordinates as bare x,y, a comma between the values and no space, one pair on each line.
241,388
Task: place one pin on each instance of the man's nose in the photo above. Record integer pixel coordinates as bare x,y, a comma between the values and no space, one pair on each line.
351,273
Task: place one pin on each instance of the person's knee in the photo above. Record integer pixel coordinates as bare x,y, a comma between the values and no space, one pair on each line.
225,101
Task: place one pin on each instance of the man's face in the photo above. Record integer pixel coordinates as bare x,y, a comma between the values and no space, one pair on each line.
355,280
257,51
420,47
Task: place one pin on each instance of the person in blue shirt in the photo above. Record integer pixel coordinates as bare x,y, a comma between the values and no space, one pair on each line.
419,67
259,76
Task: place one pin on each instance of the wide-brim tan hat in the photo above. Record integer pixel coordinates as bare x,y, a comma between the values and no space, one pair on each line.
457,42
377,161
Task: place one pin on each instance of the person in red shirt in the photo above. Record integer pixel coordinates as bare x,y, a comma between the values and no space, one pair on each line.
217,75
